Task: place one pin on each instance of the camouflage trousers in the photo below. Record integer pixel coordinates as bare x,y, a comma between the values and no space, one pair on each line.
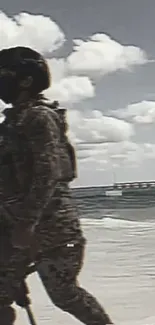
63,246
12,271
58,272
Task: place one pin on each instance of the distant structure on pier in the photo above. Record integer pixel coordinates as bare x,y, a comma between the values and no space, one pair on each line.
123,195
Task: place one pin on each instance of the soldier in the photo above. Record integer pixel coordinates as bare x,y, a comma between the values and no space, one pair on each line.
39,202
63,246
29,160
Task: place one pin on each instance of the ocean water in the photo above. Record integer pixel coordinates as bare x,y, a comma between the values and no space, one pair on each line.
119,267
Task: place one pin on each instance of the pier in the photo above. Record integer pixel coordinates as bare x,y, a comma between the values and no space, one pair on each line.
131,185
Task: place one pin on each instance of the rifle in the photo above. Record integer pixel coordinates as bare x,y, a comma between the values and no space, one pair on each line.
23,300
30,315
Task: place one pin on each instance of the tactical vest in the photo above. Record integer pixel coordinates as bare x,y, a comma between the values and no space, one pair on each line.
12,150
16,156
67,152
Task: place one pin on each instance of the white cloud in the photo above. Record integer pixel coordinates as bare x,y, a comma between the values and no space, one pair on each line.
72,82
36,31
71,89
44,35
58,69
115,155
140,113
98,128
100,55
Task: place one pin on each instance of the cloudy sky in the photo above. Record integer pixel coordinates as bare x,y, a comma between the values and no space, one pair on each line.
102,58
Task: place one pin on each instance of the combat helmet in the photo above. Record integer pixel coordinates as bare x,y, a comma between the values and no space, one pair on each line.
19,65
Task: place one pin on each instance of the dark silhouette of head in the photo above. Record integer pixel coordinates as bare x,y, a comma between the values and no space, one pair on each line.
22,70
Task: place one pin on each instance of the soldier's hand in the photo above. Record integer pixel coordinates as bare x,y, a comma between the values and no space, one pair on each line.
21,297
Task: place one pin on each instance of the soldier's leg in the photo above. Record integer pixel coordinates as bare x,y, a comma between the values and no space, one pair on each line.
7,274
11,273
7,315
58,272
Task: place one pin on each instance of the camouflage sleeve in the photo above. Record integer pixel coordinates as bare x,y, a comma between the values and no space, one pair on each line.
43,138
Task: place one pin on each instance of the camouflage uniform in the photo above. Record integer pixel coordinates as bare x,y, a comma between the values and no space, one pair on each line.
62,244
35,196
28,180
48,206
